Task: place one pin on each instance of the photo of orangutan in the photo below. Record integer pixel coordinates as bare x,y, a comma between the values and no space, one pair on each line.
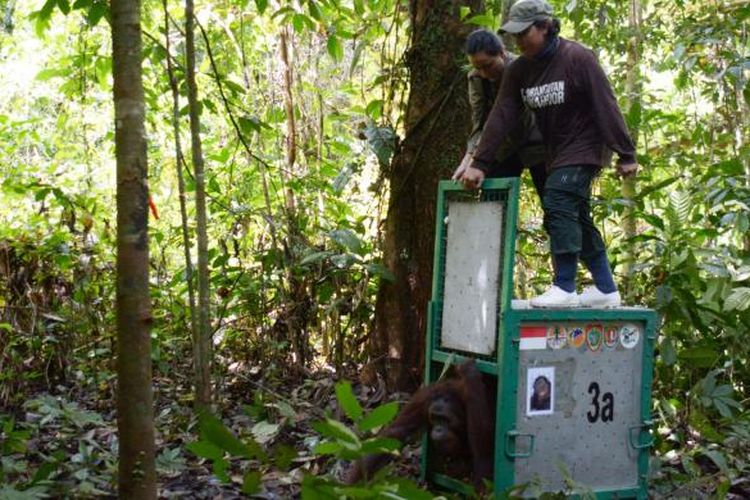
540,383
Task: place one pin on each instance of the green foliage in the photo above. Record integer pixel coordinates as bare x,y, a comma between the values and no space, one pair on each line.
216,441
300,290
344,443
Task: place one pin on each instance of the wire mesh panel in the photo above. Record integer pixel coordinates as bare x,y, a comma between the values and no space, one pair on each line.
472,272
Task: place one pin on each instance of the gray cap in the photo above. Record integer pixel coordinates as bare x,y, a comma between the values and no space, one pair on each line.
524,13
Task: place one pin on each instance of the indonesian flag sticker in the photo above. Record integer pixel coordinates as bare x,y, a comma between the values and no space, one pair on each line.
533,337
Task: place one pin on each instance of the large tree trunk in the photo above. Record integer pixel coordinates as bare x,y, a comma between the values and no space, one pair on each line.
202,341
135,420
436,126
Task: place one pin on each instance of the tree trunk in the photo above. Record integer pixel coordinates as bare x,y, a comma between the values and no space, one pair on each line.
436,126
179,165
201,344
135,420
297,299
633,93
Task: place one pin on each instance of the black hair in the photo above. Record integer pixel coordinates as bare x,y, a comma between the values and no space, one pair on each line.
552,24
541,378
482,40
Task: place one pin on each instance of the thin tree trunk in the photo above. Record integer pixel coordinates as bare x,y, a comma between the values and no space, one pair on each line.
296,315
436,125
633,93
135,419
179,164
291,129
201,344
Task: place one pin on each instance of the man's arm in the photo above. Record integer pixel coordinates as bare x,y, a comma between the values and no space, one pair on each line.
502,119
607,114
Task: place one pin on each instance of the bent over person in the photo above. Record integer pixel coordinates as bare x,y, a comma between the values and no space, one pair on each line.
577,114
523,146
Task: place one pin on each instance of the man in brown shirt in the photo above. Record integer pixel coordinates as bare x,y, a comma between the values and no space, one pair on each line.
578,116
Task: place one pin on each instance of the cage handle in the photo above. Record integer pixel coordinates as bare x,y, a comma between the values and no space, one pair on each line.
511,438
645,426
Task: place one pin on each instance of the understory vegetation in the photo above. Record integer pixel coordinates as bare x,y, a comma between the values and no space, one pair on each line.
295,231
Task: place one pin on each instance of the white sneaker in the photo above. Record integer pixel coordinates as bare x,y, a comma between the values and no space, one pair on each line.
592,297
556,297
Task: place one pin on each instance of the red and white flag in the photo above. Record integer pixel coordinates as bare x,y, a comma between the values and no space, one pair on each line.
533,337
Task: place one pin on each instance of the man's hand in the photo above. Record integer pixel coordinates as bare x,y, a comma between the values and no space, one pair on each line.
472,178
627,169
462,167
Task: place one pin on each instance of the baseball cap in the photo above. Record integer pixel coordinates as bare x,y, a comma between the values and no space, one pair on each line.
524,13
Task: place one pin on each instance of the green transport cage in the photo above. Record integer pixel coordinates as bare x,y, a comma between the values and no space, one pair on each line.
589,432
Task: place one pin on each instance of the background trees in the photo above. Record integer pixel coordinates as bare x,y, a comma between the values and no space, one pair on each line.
374,106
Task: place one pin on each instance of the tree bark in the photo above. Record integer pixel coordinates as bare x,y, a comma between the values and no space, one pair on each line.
135,421
202,344
633,93
179,165
436,126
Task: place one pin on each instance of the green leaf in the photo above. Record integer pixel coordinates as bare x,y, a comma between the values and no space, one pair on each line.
204,449
633,116
248,124
283,456
668,351
44,471
348,401
700,357
382,140
251,482
738,300
718,458
689,465
485,20
375,109
314,10
335,48
46,11
379,417
643,193
380,445
347,239
214,431
220,470
327,448
261,5
301,21
315,257
97,12
336,430
64,6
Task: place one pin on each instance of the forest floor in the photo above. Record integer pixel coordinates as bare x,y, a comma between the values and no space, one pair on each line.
66,445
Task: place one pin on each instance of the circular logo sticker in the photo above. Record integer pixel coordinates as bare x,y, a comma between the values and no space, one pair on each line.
594,337
629,336
557,337
576,337
611,336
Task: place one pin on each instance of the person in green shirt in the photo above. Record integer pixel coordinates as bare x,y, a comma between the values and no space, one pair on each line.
523,147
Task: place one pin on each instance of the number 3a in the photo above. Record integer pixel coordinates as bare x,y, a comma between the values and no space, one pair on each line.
608,408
